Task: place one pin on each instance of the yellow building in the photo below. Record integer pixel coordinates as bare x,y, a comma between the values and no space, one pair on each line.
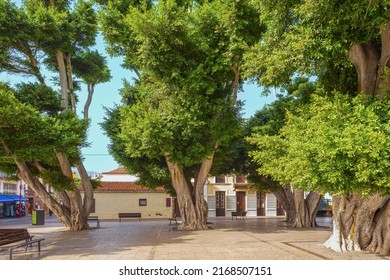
119,193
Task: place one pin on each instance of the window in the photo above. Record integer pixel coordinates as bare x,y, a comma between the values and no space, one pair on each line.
220,179
143,202
10,188
240,179
168,202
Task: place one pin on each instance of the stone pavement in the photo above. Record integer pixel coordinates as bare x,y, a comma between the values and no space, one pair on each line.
257,238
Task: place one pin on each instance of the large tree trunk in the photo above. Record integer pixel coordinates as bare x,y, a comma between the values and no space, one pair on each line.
361,223
72,216
300,210
286,198
78,214
370,62
190,196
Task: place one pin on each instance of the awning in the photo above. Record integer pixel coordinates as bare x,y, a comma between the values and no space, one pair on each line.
11,198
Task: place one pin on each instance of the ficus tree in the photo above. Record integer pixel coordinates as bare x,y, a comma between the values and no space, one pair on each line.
34,36
337,41
338,145
301,209
188,57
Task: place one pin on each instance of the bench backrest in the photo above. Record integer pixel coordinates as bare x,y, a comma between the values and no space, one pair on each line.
8,236
129,215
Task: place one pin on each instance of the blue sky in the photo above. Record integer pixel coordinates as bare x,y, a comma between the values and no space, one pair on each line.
107,95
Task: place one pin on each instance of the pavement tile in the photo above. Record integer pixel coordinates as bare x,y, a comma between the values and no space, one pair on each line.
253,239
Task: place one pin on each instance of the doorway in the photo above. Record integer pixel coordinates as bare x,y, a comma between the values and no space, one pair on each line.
240,202
260,201
220,203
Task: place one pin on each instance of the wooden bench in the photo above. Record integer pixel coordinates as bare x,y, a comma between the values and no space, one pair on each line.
94,218
12,236
173,219
241,215
129,215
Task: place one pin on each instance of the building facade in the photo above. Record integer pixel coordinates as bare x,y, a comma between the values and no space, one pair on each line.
13,201
227,194
119,193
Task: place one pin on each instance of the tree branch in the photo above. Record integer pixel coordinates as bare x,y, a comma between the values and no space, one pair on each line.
91,89
63,80
237,73
70,81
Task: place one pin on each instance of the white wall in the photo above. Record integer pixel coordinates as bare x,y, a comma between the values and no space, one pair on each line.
270,202
118,178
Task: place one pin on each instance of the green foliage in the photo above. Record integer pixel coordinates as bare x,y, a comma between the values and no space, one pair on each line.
39,29
40,97
91,67
183,104
335,144
28,135
58,26
313,37
57,180
269,121
151,172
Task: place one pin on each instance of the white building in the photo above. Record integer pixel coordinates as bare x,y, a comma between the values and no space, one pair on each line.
227,194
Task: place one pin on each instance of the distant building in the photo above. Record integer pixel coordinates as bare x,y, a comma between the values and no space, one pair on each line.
12,194
227,194
119,193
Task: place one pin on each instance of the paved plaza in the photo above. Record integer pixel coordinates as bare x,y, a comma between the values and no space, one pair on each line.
257,238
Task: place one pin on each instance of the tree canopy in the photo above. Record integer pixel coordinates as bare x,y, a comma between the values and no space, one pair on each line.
336,144
41,135
188,60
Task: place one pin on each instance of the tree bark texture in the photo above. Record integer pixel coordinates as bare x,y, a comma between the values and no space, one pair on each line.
370,62
63,79
300,210
361,224
68,206
78,214
190,196
286,198
70,82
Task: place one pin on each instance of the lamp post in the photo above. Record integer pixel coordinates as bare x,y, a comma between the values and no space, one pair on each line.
20,199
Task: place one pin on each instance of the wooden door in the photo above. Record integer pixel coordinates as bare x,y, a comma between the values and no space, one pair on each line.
240,202
220,203
260,204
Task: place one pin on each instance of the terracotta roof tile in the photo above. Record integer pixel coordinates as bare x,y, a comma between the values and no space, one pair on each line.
125,187
119,170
